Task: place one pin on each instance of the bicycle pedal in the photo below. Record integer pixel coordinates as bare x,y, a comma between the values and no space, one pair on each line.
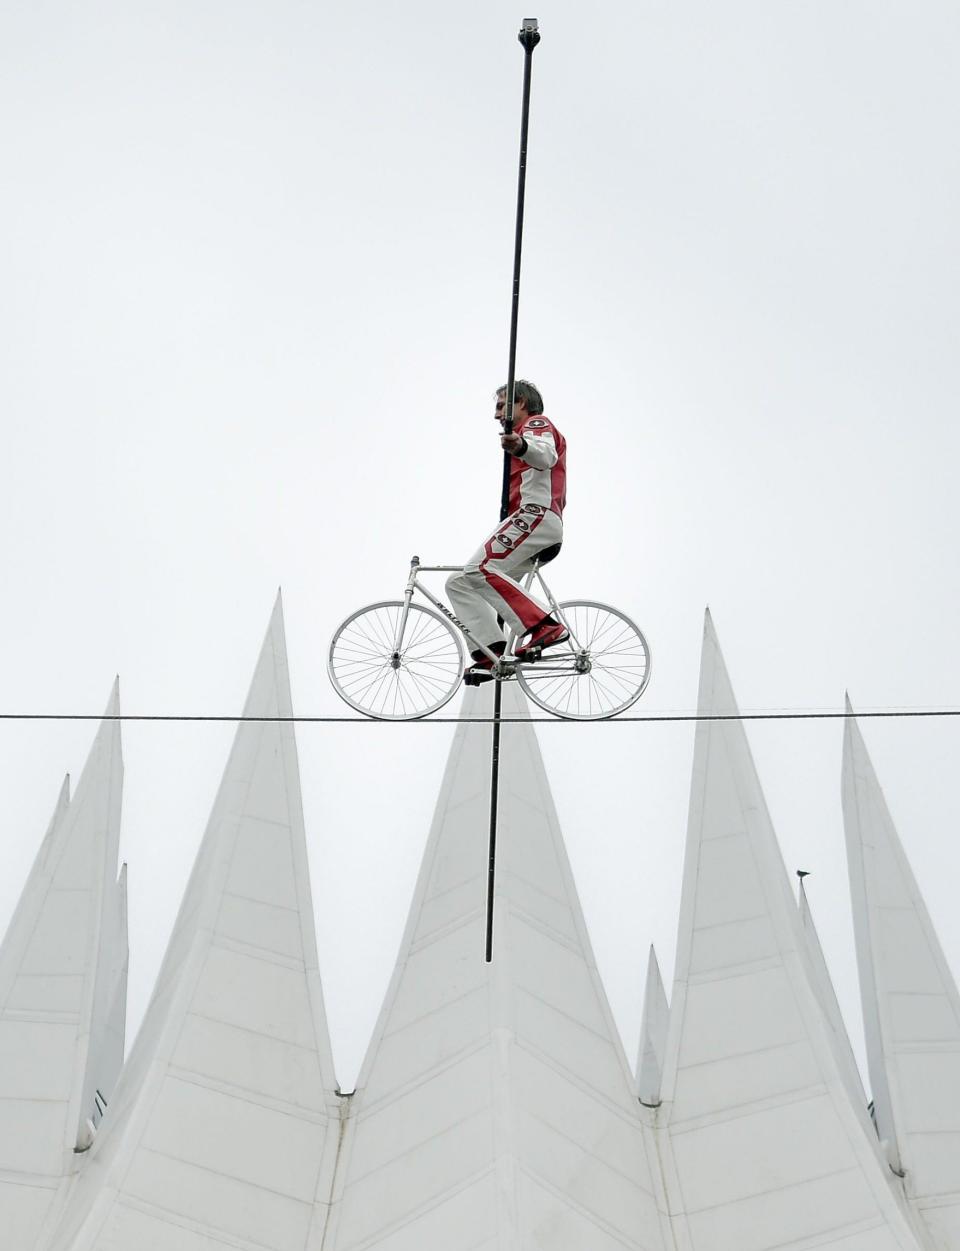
477,677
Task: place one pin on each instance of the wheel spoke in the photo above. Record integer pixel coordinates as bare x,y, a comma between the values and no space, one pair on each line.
419,625
367,673
385,629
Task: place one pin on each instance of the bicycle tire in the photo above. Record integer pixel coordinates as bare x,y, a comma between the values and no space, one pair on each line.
617,656
423,677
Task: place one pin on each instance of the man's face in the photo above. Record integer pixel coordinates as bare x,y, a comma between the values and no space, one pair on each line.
519,408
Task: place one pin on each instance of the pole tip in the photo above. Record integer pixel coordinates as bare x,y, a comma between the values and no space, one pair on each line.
529,34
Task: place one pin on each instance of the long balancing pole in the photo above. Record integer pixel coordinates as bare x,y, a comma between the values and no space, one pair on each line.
529,37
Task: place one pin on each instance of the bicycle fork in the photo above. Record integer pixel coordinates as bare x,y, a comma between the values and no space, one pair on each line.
402,623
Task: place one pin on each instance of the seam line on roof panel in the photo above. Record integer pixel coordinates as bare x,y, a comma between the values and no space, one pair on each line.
947,1199
252,951
178,1219
41,1016
800,1040
628,1114
773,1190
481,1114
38,1181
433,895
757,1107
728,972
612,1231
560,901
433,936
397,1093
587,1029
425,1016
546,930
415,1214
246,1029
723,925
264,903
205,1168
256,1099
617,1172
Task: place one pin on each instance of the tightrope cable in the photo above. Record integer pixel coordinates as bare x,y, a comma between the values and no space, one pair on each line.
648,718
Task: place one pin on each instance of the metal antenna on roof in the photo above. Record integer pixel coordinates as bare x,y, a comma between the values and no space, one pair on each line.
529,37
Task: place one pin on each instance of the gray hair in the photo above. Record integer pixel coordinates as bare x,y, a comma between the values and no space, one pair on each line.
528,393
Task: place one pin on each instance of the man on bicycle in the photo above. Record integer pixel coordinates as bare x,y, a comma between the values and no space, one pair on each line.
489,585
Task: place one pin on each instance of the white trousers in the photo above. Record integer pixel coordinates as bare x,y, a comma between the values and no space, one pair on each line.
489,585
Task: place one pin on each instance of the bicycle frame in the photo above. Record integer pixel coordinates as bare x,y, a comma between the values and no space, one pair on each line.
414,584
387,661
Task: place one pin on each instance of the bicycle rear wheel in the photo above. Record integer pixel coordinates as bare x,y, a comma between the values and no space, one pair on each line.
601,670
395,685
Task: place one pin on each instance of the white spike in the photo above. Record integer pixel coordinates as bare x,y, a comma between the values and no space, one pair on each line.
495,1108
911,1007
823,986
766,1143
225,1121
60,947
653,1034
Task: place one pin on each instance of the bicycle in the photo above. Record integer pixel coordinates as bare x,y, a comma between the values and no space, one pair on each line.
397,660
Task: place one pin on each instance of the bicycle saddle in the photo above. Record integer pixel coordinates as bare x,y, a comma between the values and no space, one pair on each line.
549,553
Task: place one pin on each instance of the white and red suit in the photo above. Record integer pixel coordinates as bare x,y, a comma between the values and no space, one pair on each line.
489,585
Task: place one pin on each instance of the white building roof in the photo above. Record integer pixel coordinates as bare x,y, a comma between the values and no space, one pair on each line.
225,1125
767,1147
910,1004
62,994
495,1109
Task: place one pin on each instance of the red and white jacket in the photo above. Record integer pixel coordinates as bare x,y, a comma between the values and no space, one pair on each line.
539,474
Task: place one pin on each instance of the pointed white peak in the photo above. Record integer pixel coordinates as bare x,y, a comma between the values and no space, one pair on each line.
495,1108
653,1035
910,1004
766,1143
225,1122
56,952
827,997
10,951
108,1020
108,1032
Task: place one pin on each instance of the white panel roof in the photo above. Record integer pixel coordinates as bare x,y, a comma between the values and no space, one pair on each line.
60,964
495,1109
225,1124
767,1147
910,1003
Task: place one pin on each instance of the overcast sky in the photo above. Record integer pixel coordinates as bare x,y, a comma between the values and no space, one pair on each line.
254,298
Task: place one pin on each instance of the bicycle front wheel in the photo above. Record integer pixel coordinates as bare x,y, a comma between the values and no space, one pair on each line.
391,679
602,669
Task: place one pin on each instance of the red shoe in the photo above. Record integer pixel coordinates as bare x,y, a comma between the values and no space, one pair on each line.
547,634
482,661
482,668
